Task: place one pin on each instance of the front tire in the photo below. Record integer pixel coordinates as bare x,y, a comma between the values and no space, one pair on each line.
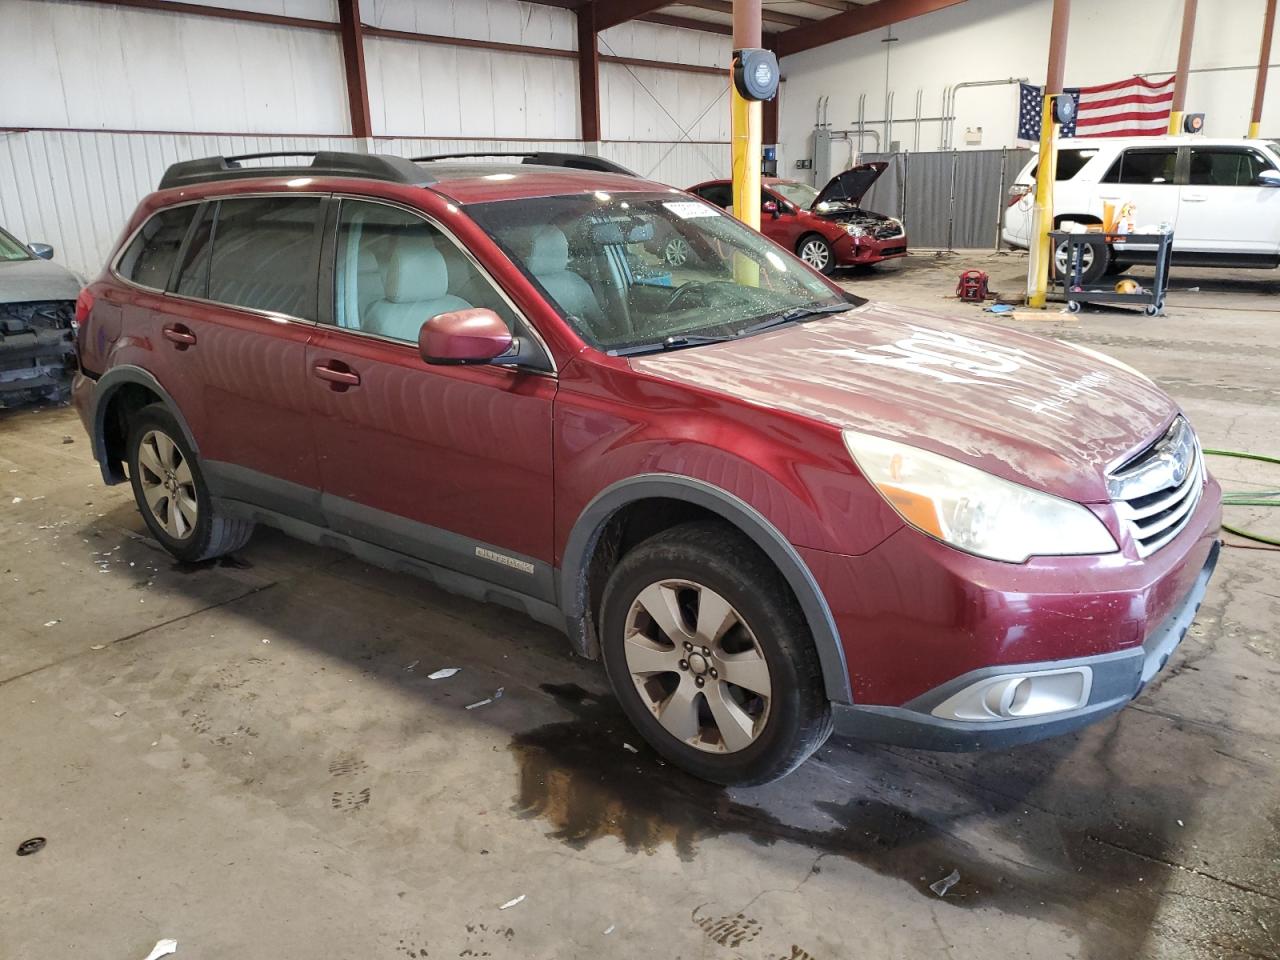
708,653
171,491
817,253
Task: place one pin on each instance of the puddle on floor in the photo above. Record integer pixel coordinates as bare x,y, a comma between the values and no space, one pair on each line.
1102,881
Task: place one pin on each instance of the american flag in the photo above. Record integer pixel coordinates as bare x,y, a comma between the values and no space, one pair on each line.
1134,107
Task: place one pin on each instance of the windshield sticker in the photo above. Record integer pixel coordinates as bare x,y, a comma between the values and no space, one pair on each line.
691,209
953,358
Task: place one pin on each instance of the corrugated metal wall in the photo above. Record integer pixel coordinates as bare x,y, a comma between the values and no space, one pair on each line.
953,200
75,190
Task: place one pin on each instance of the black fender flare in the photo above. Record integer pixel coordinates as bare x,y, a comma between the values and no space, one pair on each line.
591,522
106,387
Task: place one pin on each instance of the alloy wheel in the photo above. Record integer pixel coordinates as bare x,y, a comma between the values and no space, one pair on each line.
1061,262
676,252
815,253
697,666
167,484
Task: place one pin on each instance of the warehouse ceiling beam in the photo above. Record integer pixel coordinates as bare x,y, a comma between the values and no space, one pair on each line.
351,30
859,20
1184,65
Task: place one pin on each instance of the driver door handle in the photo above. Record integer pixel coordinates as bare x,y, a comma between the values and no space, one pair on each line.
336,374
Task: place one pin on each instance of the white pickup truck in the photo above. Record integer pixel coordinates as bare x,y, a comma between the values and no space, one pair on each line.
1219,197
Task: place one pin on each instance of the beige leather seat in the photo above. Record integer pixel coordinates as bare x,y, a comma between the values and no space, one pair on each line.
417,289
548,261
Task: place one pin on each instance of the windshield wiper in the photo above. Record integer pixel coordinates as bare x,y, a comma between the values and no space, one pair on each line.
794,315
675,342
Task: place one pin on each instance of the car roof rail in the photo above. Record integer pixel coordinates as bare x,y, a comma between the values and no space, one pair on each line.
324,163
543,158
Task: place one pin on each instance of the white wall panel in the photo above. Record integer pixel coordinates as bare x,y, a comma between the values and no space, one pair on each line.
504,21
655,41
93,66
640,103
422,89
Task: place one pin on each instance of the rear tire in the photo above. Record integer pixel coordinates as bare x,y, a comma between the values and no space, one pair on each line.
172,494
730,689
1095,263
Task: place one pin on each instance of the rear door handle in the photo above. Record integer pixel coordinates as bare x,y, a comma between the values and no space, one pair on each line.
179,334
336,374
1194,198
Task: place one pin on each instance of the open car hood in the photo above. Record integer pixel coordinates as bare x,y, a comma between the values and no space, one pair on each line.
851,185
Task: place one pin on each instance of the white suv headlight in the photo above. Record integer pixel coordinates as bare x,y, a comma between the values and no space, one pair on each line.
973,510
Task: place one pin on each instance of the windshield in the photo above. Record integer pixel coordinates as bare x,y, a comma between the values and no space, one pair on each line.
11,249
800,194
638,269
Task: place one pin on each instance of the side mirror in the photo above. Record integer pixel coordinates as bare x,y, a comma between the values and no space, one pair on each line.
1268,178
474,335
41,250
771,207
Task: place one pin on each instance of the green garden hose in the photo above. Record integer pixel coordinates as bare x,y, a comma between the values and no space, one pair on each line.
1249,498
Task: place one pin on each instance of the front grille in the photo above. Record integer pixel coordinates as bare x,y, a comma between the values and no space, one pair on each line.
892,251
887,232
1156,492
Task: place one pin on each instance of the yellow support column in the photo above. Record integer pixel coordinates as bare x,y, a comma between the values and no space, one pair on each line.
1042,218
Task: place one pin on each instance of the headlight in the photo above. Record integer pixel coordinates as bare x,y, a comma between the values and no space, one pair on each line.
853,230
972,510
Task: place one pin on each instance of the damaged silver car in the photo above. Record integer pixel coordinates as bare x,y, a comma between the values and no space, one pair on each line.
37,339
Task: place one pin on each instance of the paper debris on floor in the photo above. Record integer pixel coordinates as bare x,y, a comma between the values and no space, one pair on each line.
162,949
479,703
512,903
444,673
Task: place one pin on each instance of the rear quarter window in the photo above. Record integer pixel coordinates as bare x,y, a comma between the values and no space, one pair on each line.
149,258
1070,163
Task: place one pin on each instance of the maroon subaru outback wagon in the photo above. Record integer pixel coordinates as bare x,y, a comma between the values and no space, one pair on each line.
770,507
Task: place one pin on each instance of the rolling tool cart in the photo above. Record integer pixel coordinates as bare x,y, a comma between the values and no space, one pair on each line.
1080,245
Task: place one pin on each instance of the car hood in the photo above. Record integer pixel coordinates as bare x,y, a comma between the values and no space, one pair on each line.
1037,412
25,280
850,186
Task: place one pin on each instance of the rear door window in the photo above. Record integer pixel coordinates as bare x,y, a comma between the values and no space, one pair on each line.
1224,167
148,260
266,254
193,271
1144,165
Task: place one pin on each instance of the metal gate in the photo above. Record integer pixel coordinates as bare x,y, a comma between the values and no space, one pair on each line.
952,199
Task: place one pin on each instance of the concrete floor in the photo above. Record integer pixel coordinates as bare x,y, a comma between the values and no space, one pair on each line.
249,757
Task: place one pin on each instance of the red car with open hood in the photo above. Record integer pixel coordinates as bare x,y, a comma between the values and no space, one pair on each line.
825,228
769,507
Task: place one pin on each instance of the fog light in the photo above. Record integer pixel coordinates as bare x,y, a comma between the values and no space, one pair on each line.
1017,696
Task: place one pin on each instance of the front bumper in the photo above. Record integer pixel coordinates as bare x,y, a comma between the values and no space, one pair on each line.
1117,678
859,251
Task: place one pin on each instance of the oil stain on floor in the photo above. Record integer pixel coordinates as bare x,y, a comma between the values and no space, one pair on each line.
1100,880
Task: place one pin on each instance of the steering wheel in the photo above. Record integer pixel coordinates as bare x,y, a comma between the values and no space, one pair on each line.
685,290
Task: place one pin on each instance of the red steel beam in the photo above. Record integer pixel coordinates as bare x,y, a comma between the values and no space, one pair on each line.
588,74
352,32
873,16
1264,58
221,13
610,13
